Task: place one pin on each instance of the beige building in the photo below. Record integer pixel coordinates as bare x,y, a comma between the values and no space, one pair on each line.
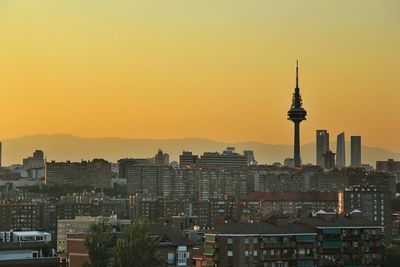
80,225
69,226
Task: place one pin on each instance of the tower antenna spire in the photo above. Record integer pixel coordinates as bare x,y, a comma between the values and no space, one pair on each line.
297,73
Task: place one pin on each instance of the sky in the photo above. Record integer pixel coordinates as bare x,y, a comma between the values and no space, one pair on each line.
223,70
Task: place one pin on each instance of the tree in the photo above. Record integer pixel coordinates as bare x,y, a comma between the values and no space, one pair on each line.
99,242
392,256
138,246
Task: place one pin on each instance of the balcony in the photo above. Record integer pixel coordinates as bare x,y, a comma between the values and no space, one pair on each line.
332,245
306,257
330,263
353,263
290,244
351,238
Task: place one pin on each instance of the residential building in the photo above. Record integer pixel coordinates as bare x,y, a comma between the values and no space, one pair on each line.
251,160
349,240
173,247
77,252
187,158
80,224
96,173
389,165
27,248
161,158
274,243
228,158
24,215
126,162
256,206
35,165
281,182
374,204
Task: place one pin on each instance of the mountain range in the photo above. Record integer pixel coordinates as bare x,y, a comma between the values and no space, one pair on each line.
61,147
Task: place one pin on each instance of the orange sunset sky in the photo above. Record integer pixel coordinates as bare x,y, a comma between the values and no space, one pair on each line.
223,70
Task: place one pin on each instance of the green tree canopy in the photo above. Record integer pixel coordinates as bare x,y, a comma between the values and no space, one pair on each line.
99,242
392,256
138,246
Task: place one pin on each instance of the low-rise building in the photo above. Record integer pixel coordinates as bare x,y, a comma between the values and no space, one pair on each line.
375,205
349,240
175,249
275,243
27,248
80,225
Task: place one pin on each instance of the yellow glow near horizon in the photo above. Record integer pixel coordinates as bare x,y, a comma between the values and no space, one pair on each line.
216,69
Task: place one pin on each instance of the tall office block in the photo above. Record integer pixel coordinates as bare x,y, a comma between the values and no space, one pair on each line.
355,151
340,151
297,114
322,144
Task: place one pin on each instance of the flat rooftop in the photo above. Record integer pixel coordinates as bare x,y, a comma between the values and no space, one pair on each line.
30,233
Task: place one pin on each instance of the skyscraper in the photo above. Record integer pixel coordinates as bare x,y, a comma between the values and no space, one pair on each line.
340,151
322,144
297,114
355,151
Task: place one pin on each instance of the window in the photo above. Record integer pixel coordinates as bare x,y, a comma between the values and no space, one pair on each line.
255,240
246,253
246,240
230,253
171,257
272,252
229,241
255,253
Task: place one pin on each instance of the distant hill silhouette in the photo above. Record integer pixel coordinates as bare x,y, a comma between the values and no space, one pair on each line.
61,147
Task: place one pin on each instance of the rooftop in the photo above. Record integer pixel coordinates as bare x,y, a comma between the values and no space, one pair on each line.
170,236
262,229
30,233
291,196
340,221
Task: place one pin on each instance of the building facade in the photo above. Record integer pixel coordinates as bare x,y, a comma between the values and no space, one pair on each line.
96,173
355,143
322,143
341,151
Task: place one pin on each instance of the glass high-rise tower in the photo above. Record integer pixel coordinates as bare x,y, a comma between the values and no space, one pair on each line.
355,151
340,151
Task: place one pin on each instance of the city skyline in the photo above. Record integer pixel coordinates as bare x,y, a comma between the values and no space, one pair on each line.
88,71
199,133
